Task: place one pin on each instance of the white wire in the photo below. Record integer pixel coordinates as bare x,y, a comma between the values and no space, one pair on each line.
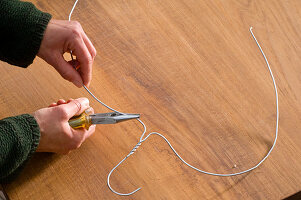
108,107
72,10
175,152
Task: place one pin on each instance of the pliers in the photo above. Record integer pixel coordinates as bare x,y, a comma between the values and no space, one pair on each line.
86,119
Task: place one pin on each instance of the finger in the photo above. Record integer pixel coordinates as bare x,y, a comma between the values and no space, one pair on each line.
74,64
92,110
61,101
69,100
68,72
90,131
89,45
85,59
75,107
82,134
52,105
89,111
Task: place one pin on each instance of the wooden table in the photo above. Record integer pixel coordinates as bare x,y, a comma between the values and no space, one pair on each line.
195,74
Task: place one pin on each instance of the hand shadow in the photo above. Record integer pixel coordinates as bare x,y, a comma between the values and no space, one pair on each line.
31,169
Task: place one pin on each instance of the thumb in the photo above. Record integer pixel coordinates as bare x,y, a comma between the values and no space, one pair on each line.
75,107
68,72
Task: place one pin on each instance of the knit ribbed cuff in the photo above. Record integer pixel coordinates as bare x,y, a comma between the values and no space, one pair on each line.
35,129
19,139
37,34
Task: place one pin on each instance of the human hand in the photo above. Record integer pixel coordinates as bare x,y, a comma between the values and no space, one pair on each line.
56,134
64,36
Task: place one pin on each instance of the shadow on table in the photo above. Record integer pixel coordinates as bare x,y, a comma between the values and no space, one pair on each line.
296,196
32,168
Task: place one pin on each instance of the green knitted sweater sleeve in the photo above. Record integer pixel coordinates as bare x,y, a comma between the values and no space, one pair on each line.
19,138
22,27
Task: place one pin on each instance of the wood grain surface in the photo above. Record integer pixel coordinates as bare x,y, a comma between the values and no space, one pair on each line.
193,71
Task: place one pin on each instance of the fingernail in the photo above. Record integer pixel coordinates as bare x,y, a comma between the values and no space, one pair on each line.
89,111
92,126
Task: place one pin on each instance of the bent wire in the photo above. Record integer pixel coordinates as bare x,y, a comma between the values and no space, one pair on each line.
169,144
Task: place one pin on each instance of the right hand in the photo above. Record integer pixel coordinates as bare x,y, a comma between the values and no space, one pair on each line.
64,36
56,134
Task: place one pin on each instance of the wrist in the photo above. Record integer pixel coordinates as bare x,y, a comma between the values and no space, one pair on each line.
40,124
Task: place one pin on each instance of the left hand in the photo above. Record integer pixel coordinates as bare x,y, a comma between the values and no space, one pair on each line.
64,36
56,134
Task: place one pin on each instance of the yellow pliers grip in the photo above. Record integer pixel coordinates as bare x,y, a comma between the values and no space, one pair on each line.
81,121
